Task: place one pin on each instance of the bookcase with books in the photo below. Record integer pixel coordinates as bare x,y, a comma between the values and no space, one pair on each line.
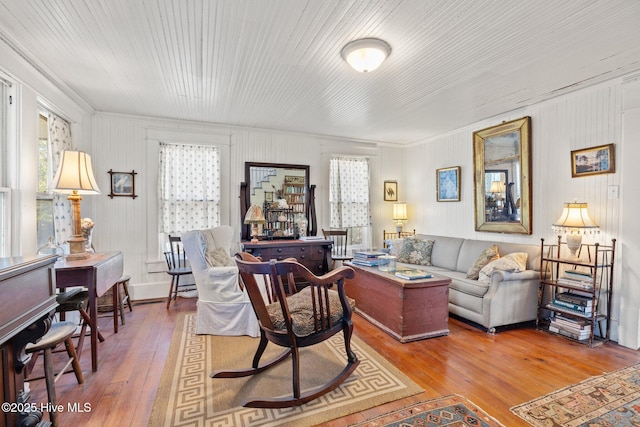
574,299
295,193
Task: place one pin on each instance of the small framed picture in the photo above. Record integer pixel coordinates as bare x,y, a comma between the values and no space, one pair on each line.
268,196
123,184
448,184
391,191
593,161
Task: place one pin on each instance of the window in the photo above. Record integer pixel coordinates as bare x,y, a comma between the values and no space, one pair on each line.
44,198
349,198
5,192
189,187
54,214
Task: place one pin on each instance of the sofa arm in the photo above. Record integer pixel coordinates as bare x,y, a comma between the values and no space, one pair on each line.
504,276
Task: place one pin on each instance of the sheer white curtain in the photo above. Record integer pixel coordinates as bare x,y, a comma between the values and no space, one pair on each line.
349,197
189,187
60,140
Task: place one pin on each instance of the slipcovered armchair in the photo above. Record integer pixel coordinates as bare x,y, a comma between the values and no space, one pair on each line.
223,306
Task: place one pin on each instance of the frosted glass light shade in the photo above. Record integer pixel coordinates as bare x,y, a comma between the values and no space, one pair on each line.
366,55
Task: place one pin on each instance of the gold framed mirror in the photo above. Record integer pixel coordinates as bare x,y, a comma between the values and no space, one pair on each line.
502,177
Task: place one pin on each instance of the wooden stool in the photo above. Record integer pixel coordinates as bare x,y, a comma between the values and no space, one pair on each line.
59,333
123,299
76,300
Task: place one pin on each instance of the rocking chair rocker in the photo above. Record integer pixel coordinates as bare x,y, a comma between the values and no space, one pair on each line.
301,319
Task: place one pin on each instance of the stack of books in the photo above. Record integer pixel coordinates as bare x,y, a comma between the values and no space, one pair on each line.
367,258
573,302
412,274
576,279
579,329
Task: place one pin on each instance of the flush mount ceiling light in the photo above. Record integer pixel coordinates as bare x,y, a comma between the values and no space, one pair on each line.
366,55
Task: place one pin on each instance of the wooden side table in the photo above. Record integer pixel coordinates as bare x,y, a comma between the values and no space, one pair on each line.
98,273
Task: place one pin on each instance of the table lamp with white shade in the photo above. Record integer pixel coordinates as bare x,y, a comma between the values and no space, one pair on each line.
399,215
574,222
75,178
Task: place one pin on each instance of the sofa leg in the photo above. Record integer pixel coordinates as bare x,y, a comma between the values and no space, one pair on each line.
491,331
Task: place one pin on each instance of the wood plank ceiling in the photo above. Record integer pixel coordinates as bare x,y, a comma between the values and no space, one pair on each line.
276,64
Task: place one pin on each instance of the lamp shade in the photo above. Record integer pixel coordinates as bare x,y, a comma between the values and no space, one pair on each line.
400,212
497,187
366,55
575,219
75,173
254,215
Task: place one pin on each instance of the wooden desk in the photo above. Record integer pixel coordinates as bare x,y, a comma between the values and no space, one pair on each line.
27,303
97,273
408,310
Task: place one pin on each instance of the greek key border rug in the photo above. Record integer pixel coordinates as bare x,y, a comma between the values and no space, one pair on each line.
187,396
612,399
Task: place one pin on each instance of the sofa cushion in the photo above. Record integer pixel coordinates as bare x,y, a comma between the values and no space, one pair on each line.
513,263
301,310
460,283
488,255
416,251
445,250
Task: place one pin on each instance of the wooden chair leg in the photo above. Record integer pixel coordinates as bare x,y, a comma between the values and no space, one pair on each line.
173,283
75,363
121,305
125,288
49,378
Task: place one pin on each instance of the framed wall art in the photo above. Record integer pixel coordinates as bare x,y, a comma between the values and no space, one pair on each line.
593,161
448,184
391,191
123,184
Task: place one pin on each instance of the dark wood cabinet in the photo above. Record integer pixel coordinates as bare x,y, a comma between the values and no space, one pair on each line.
313,254
27,302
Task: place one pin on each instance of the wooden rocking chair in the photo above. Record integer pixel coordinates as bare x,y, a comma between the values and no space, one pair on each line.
282,322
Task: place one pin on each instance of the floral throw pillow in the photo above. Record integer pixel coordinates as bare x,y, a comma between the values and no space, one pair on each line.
416,251
488,255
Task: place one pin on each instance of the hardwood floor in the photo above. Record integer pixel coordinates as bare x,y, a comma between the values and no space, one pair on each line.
495,372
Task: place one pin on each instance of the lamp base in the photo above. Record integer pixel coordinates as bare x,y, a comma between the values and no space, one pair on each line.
574,241
77,248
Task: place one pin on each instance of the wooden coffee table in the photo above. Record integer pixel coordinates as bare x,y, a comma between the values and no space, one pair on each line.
408,310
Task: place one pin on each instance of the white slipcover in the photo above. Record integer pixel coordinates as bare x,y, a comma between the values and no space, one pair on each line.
223,308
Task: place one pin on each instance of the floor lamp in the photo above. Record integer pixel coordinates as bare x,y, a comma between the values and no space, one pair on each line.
75,178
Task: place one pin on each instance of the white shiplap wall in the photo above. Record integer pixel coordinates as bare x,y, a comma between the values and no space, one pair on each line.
121,143
584,119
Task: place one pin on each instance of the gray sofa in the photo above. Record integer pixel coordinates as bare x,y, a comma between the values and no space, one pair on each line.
506,298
